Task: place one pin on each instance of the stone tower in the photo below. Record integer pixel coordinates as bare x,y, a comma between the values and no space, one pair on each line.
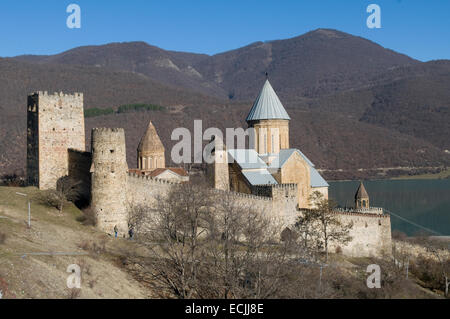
55,123
361,197
109,180
218,171
150,152
270,122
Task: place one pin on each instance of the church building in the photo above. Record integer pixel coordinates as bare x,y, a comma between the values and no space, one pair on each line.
270,161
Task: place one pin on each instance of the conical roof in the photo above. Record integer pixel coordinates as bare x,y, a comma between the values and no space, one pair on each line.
150,142
361,192
267,106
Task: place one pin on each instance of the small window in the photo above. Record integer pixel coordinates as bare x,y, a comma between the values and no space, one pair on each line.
112,151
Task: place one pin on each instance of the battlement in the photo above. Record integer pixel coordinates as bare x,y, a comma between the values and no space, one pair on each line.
150,179
271,190
243,195
290,186
364,211
108,130
58,94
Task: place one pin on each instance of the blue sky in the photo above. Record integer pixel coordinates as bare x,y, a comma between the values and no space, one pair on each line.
418,28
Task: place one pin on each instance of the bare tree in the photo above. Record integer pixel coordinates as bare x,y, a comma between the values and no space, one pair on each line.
437,250
67,190
327,223
172,230
244,247
209,244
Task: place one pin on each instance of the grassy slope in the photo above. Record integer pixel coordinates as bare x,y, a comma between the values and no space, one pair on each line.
45,276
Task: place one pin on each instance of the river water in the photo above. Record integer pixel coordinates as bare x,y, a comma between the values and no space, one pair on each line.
423,202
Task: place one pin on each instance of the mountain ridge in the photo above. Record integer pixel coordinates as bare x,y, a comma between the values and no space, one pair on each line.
340,89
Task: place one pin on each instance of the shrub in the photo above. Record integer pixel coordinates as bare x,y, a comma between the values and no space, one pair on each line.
139,107
97,112
12,180
88,218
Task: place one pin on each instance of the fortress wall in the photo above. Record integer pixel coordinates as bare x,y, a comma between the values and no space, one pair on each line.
79,170
145,191
371,235
59,125
284,201
280,212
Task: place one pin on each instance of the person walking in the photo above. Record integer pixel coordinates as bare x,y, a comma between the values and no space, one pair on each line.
115,231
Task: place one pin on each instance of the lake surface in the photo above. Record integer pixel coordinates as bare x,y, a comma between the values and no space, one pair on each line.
424,202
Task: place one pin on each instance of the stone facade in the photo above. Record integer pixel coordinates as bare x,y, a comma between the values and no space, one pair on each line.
55,123
270,135
371,233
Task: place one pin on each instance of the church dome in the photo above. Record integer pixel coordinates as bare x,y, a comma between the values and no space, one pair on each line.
150,142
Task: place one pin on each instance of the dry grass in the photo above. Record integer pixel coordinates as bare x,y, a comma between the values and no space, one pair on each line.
44,276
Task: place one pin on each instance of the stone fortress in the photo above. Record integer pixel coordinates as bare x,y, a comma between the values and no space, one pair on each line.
270,176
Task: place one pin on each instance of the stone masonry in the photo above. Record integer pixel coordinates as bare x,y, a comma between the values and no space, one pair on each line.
55,124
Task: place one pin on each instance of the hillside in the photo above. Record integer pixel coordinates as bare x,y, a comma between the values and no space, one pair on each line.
43,275
34,262
353,103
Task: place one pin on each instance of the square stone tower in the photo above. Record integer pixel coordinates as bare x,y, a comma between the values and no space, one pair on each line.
55,123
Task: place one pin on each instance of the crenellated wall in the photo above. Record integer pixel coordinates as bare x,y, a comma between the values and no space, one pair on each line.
371,233
144,190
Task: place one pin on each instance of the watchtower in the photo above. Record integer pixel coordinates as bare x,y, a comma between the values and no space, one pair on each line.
55,124
109,180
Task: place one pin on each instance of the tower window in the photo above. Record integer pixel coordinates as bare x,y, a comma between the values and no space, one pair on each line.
265,144
273,144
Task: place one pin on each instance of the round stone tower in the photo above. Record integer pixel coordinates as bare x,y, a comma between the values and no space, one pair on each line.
109,180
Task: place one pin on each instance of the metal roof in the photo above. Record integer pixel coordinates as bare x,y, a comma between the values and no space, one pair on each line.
246,158
259,177
267,106
317,180
256,171
284,155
